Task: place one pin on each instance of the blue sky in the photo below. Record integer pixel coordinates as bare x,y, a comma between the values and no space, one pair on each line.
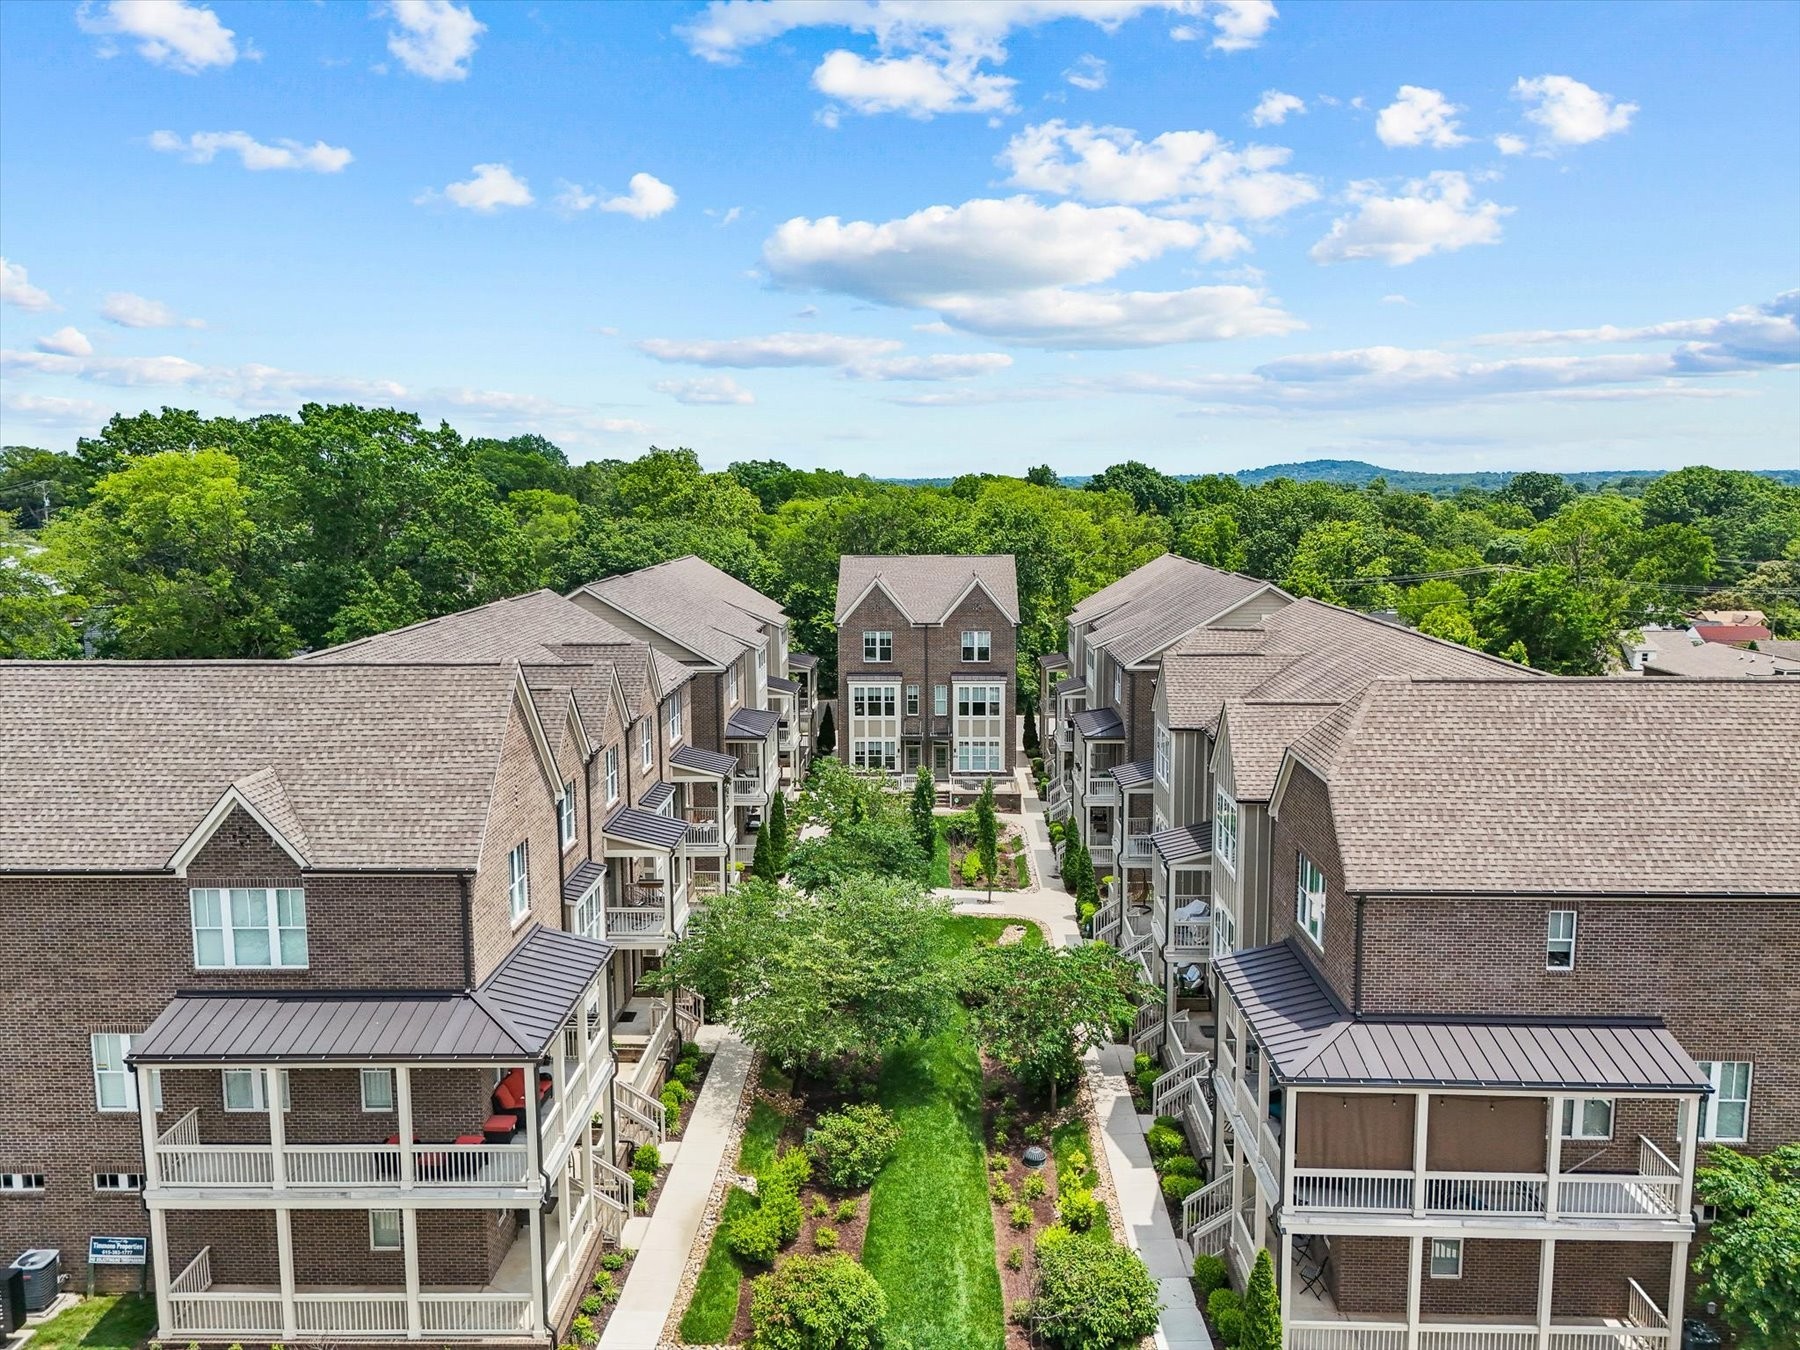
916,238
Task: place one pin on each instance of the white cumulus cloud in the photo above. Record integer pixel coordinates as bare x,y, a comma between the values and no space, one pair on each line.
66,341
1194,171
707,389
771,351
1275,107
173,33
916,85
648,196
433,38
492,187
1241,24
203,146
1434,214
249,385
1568,112
954,366
1088,72
16,289
1752,335
49,410
1508,144
1419,117
134,311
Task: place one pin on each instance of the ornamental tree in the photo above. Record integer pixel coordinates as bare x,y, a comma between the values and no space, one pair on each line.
987,834
1262,1307
922,809
1750,1264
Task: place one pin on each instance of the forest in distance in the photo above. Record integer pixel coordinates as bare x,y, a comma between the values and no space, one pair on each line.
173,535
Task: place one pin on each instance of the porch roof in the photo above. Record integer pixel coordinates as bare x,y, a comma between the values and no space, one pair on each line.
1312,1040
710,762
802,661
1137,774
1065,688
783,686
1054,660
1184,843
634,825
751,724
1100,724
583,879
653,797
513,1016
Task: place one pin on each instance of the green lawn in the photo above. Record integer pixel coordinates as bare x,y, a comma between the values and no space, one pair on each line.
713,1309
761,1133
110,1322
931,1230
940,859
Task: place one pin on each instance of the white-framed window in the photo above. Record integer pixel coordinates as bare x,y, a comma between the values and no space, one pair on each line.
248,926
384,1230
874,754
115,1085
1446,1258
980,712
612,774
1118,686
1559,940
647,741
1165,753
912,700
673,714
731,689
1309,900
940,700
1190,883
878,644
518,881
377,1090
1225,829
245,1090
1224,930
978,757
565,815
118,1181
873,700
21,1181
590,911
1587,1118
1091,670
977,645
762,668
1725,1116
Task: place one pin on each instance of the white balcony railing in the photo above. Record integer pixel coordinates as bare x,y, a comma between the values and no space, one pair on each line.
337,1166
1346,1336
1477,1338
477,1314
1101,788
1654,1192
1341,1189
1509,1193
1136,851
636,922
350,1314
704,830
1190,935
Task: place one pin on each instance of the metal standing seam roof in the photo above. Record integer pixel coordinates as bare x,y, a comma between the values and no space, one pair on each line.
308,1028
1184,843
802,661
751,724
1312,1040
783,686
1053,660
1068,687
1137,774
582,880
1100,724
653,797
703,761
540,983
635,825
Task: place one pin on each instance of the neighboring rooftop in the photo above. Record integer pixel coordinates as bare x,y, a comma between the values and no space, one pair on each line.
1167,599
1731,633
524,628
1597,786
927,586
112,765
1711,659
694,605
1260,734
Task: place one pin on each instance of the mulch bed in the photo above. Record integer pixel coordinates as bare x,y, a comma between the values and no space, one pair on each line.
1008,878
687,1110
1025,1123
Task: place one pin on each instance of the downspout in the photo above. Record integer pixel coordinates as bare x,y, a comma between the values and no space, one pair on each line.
466,882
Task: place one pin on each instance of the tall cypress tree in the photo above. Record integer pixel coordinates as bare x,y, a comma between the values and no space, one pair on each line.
987,833
762,863
1262,1307
921,810
777,827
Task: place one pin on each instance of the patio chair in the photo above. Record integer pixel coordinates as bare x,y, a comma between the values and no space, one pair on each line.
1312,1262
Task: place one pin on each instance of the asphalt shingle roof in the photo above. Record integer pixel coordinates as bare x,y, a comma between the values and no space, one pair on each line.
705,610
110,766
1145,623
519,628
926,585
1260,734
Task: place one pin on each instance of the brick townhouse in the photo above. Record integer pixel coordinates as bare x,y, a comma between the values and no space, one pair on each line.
286,956
1529,949
1096,703
927,660
751,696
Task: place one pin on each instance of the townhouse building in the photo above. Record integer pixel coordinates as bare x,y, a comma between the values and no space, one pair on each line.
1527,956
286,956
751,696
1096,701
927,661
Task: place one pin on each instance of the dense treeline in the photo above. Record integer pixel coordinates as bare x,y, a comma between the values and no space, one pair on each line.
170,534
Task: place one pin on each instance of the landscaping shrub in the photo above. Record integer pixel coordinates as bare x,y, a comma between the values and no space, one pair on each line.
782,1206
825,1302
1209,1274
592,1304
820,1207
1146,1081
1079,1209
1092,1295
581,1330
825,1239
1262,1307
1225,1310
846,1212
685,1072
1021,1216
1055,831
753,1237
1035,1187
1001,1192
610,1262
646,1158
1015,1259
1179,1187
678,1090
645,1181
690,1051
1021,872
971,868
851,1146
1165,1141
1181,1165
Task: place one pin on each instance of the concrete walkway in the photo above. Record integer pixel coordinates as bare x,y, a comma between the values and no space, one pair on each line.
664,1240
1147,1226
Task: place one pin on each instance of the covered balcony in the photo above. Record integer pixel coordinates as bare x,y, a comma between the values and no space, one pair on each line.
644,888
703,798
751,735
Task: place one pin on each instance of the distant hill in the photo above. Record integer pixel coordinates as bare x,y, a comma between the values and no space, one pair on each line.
1357,473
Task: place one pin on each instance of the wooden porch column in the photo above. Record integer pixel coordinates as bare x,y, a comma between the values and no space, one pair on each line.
1286,1264
1421,1142
1546,1284
159,1258
1687,1125
146,1104
277,1126
534,1155
1678,1266
1288,1127
1415,1246
1553,1160
403,1117
284,1256
409,1245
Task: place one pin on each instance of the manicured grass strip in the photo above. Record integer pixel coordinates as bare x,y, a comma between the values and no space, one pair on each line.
940,859
762,1132
977,930
713,1310
111,1322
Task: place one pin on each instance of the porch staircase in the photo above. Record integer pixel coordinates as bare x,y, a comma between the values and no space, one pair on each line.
1206,1216
642,1119
1108,920
690,1013
617,1194
1147,1028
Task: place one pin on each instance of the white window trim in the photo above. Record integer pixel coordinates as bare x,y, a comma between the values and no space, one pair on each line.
124,1073
518,881
399,1241
1163,752
1431,1258
21,1183
612,774
873,640
647,740
1709,1114
259,1095
565,816
116,1183
1573,1125
731,685
940,700
228,931
385,1075
912,700
1225,840
673,716
1552,942
1118,686
977,646
1309,901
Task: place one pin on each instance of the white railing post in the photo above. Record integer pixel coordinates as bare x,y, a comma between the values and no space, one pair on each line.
1553,1162
1687,1119
1421,1141
1546,1281
1415,1247
159,1257
403,1115
534,1154
284,1257
409,1244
